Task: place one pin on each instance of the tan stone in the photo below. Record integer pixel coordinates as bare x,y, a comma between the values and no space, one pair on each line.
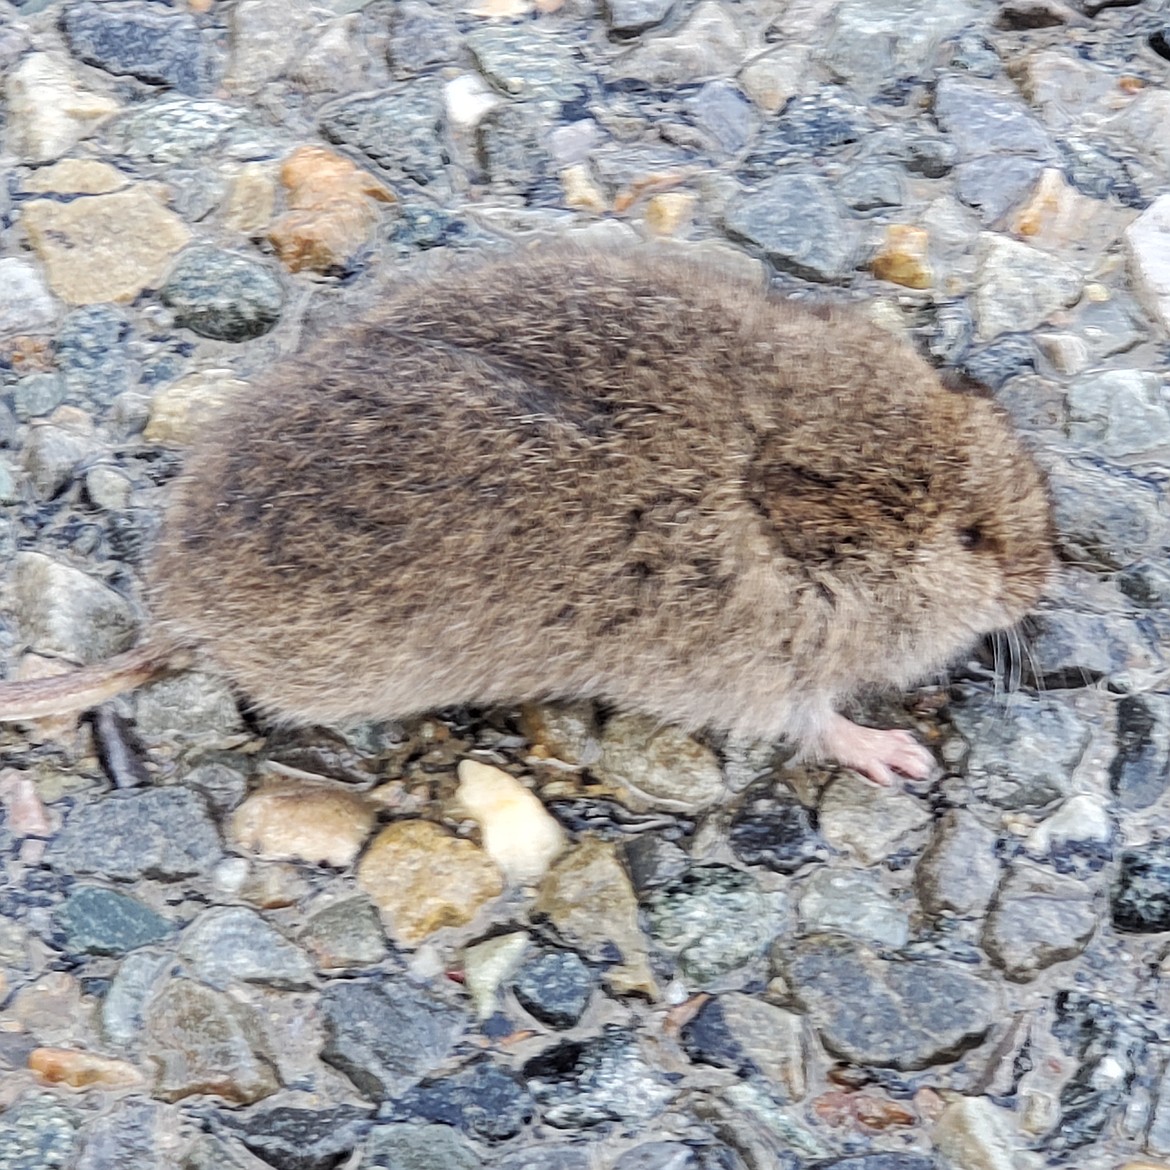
901,258
588,899
104,247
48,111
178,412
331,214
669,211
76,176
422,879
1058,218
82,1070
581,192
251,199
25,812
295,821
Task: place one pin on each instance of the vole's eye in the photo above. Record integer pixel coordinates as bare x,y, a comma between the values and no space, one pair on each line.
971,536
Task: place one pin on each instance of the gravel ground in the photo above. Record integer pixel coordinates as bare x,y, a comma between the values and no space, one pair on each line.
224,945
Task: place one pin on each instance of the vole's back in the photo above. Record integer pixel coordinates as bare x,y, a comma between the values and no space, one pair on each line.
526,478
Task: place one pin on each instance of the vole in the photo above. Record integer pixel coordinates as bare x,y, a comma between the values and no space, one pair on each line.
561,472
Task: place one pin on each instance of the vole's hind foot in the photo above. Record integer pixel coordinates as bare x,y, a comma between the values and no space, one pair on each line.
876,754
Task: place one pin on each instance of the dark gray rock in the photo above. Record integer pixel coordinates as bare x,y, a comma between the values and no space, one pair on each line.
529,64
603,1079
300,1139
627,18
157,45
1106,515
1141,898
994,183
554,987
400,131
799,225
155,833
980,120
482,1099
222,295
511,147
871,1011
776,832
1140,772
653,862
92,354
385,1035
38,1133
418,1147
127,1137
1023,747
421,37
958,870
1007,357
871,188
345,934
98,921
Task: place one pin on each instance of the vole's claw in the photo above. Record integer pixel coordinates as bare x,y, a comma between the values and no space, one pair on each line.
876,754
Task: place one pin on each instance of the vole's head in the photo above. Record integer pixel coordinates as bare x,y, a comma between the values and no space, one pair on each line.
916,514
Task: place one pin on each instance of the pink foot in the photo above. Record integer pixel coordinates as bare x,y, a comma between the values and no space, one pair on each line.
876,754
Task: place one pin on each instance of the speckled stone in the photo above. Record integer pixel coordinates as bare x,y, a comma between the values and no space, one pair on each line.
958,871
38,1132
385,1034
555,987
191,705
852,903
709,44
482,1099
873,1011
232,943
413,1146
174,129
222,295
155,45
98,921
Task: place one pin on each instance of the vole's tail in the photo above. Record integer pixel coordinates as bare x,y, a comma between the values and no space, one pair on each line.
81,689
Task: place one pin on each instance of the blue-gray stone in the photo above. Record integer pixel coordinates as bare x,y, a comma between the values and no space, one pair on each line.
98,921
222,295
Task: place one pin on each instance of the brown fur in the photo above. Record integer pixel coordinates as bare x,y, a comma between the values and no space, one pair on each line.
563,473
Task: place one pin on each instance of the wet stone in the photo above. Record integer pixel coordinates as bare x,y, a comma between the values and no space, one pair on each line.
713,920
873,1012
796,221
421,36
38,1133
527,64
398,131
627,18
98,921
346,934
299,1139
482,1099
60,610
385,1035
1140,771
554,987
171,131
979,119
91,353
1141,898
124,1001
751,1037
25,303
128,1137
417,1147
777,832
852,903
154,44
222,295
190,705
602,1079
958,871
203,1041
1022,753
655,767
229,943
1122,414
1038,919
157,833
1105,515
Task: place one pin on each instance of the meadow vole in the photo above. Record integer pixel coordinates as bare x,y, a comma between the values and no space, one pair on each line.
568,473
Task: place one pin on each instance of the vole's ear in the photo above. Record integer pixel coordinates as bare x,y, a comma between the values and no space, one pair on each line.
813,518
